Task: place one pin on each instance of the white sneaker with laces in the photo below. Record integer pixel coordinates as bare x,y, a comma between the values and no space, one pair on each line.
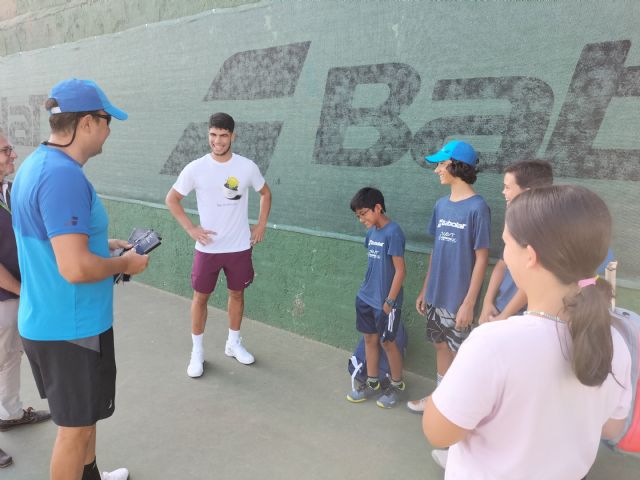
119,474
440,457
238,351
196,364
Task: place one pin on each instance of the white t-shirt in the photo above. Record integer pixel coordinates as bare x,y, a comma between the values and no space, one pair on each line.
529,417
222,195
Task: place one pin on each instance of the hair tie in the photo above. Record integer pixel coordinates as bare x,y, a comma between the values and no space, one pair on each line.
585,282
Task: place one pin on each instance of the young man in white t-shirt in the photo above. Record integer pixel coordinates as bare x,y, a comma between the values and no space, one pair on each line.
221,180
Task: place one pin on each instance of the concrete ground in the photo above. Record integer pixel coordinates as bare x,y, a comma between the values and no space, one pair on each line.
283,418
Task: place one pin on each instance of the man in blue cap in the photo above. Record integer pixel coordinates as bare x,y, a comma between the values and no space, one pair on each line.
66,310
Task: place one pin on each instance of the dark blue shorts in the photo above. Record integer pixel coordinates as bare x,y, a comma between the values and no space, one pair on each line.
372,320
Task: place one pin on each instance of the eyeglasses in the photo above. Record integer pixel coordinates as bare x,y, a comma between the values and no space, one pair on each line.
107,117
8,150
362,212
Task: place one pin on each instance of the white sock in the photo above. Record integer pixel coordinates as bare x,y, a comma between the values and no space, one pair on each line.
438,379
197,342
234,336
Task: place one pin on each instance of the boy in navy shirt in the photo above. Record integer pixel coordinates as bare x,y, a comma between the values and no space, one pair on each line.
379,300
461,227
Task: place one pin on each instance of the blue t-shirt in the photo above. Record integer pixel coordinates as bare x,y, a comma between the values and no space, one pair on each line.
603,267
381,245
51,197
460,228
506,291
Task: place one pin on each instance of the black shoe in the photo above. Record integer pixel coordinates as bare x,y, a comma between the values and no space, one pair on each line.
30,416
5,460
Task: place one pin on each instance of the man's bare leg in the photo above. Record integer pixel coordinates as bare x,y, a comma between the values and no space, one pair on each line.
71,449
199,312
235,309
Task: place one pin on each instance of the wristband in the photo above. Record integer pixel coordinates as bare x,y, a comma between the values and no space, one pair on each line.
391,302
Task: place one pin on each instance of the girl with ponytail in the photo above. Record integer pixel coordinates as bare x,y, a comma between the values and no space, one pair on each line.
531,398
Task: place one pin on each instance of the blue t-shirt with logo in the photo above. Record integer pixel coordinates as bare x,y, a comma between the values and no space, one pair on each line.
51,196
381,245
460,228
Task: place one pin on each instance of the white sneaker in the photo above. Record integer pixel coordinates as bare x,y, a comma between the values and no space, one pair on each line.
416,406
196,364
237,350
440,457
119,474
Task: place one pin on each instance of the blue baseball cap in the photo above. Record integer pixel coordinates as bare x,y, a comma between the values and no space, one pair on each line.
455,150
75,95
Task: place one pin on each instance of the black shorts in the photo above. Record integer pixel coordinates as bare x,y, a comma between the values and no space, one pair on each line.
77,377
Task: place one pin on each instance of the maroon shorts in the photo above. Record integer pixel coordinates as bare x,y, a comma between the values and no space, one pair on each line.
237,267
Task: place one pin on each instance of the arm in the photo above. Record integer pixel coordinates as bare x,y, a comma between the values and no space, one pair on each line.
440,432
464,316
77,264
488,306
8,282
421,305
516,304
257,232
396,283
196,232
613,428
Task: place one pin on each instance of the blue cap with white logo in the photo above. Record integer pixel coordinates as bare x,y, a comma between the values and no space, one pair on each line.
455,150
75,95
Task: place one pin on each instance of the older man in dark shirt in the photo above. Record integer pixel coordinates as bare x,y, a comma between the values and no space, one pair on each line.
11,412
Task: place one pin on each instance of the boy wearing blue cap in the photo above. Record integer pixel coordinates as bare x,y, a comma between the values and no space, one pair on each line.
461,227
66,310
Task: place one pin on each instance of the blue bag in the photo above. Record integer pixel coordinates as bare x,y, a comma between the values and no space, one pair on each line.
357,364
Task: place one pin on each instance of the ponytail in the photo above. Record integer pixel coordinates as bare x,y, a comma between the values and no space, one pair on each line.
569,227
590,328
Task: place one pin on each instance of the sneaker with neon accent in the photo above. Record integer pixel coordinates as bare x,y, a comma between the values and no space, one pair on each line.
363,391
196,364
237,350
119,474
390,396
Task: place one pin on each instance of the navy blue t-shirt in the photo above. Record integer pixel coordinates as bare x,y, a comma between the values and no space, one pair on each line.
8,248
460,228
506,291
381,244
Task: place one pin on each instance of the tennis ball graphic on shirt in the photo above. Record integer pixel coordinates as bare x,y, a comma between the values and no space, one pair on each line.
232,183
230,189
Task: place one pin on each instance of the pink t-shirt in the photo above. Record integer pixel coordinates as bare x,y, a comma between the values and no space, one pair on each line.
529,417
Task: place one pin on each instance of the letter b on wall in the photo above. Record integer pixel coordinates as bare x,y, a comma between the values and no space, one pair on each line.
338,114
